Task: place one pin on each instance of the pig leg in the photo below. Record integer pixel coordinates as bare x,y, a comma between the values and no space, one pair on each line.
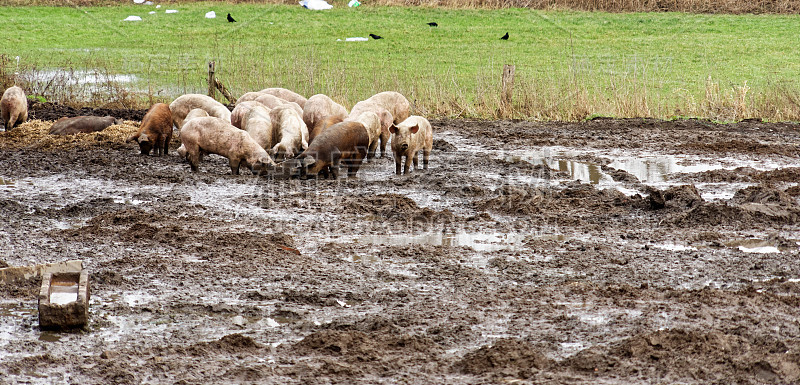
11,121
407,167
336,158
373,147
335,170
416,160
194,160
397,161
355,164
384,141
159,146
166,143
234,166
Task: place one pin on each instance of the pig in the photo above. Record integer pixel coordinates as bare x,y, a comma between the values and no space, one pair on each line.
248,97
259,125
82,124
319,107
183,104
155,130
372,123
212,135
385,119
408,138
344,142
272,101
14,107
322,125
195,113
395,103
241,110
285,94
291,133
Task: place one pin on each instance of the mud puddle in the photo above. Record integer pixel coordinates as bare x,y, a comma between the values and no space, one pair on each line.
481,242
647,167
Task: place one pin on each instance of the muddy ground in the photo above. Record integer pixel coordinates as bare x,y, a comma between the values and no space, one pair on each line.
608,251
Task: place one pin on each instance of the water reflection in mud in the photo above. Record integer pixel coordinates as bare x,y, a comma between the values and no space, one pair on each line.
477,241
761,246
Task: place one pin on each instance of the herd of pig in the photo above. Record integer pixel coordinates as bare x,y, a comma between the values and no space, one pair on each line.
271,129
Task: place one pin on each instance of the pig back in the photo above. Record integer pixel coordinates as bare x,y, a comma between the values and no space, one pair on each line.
81,124
344,136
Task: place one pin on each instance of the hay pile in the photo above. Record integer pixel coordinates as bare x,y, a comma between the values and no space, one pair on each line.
34,134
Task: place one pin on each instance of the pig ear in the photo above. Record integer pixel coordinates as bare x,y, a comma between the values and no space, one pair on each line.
414,129
393,129
308,161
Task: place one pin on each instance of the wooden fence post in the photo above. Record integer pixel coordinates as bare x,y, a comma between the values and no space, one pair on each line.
508,88
212,67
225,92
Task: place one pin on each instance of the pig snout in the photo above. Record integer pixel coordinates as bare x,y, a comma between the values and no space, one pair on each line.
404,146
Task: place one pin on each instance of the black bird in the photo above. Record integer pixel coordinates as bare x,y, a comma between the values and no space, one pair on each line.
374,36
505,37
433,24
230,19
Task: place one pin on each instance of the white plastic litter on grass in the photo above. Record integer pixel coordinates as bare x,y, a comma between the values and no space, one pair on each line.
158,6
316,5
152,12
354,39
211,15
172,11
138,1
133,18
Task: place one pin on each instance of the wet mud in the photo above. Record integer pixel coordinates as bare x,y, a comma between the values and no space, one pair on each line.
609,251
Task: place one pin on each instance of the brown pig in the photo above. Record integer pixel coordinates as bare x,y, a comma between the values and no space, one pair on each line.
14,107
82,124
322,125
155,130
185,103
408,138
212,135
344,143
285,94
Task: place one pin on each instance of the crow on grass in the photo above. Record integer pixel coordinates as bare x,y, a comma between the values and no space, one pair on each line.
374,36
433,24
230,19
505,37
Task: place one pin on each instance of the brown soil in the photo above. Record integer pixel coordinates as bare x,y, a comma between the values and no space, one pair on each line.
211,278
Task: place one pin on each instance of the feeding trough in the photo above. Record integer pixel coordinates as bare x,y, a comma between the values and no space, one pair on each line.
64,300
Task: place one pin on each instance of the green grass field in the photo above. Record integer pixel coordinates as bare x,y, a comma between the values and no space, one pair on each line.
569,65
